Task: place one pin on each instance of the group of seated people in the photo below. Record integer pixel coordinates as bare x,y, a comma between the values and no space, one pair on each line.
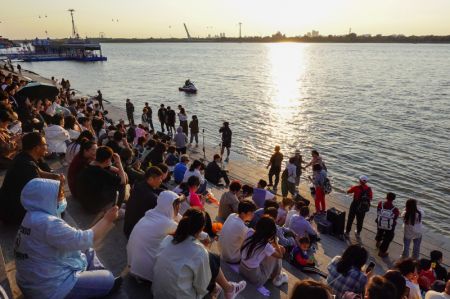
126,172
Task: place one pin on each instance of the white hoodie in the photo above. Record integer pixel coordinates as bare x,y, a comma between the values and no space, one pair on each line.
56,137
148,233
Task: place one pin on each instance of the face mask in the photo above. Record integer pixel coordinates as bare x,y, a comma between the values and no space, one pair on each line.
61,206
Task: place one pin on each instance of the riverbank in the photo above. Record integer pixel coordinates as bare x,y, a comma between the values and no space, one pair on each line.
113,250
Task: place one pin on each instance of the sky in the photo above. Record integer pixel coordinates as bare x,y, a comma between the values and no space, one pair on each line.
165,18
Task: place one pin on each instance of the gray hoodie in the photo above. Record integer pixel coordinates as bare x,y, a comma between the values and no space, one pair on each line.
47,249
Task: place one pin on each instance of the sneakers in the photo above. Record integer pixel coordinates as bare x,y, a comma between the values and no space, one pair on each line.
280,279
237,288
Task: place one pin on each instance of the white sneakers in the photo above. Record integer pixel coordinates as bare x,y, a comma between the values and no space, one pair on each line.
237,288
280,279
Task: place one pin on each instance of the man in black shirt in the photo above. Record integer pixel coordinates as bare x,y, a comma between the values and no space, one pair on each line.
149,115
213,172
99,98
98,183
226,139
275,167
143,198
162,117
24,168
130,112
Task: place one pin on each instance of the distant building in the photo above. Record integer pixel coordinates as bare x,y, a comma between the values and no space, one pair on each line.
314,33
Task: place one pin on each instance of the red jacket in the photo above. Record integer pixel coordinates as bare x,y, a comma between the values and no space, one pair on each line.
357,190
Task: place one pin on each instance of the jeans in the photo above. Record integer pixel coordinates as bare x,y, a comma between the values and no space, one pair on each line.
274,171
130,117
385,237
194,136
94,282
416,247
352,213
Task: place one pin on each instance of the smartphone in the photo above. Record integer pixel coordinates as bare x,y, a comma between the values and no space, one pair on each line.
370,267
116,201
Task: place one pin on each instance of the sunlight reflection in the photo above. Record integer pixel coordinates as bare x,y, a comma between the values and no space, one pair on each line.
287,66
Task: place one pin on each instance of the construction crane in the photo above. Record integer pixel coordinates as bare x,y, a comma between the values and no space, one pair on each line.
187,31
74,30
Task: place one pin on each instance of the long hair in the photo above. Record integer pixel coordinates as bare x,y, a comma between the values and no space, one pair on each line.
85,145
192,222
411,211
354,256
194,165
265,232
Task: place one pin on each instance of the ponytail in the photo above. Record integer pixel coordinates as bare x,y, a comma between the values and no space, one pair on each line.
193,221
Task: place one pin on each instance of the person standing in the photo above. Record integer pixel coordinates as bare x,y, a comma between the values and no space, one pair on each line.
298,161
318,180
180,139
149,115
316,159
193,125
182,116
162,116
412,219
144,117
387,215
170,120
275,167
362,195
226,139
99,99
288,179
130,112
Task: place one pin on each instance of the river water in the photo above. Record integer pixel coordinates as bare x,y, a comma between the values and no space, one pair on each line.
377,109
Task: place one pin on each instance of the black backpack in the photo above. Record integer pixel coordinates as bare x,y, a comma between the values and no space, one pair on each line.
364,201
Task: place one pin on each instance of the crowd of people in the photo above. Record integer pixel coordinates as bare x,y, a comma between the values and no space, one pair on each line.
132,172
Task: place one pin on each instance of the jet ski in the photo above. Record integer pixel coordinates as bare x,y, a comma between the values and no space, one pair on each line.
188,88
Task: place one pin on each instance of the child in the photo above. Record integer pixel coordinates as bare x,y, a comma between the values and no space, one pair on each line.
195,199
286,205
436,260
426,275
300,255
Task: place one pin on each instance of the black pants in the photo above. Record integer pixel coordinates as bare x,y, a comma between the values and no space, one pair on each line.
352,213
214,265
130,117
274,171
385,237
150,123
162,126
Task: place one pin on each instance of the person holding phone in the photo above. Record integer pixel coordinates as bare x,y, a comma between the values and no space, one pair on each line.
54,259
261,255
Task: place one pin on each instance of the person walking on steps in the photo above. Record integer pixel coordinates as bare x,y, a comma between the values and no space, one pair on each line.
226,139
362,195
275,167
387,215
130,112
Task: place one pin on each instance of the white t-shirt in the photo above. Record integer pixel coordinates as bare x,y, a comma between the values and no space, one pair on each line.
231,237
258,256
436,295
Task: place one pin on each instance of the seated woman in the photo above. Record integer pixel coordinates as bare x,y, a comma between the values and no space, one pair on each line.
345,273
85,156
261,255
74,147
185,268
53,259
195,170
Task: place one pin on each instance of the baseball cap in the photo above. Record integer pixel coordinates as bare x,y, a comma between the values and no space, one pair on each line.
364,179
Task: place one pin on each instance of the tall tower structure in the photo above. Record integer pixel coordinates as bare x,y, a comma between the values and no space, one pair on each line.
74,30
240,32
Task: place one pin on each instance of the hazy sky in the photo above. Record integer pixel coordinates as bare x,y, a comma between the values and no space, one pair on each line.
164,18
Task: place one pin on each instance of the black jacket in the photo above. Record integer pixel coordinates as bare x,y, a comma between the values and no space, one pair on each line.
142,198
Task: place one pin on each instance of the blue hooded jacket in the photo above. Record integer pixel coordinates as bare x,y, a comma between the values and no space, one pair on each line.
48,250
